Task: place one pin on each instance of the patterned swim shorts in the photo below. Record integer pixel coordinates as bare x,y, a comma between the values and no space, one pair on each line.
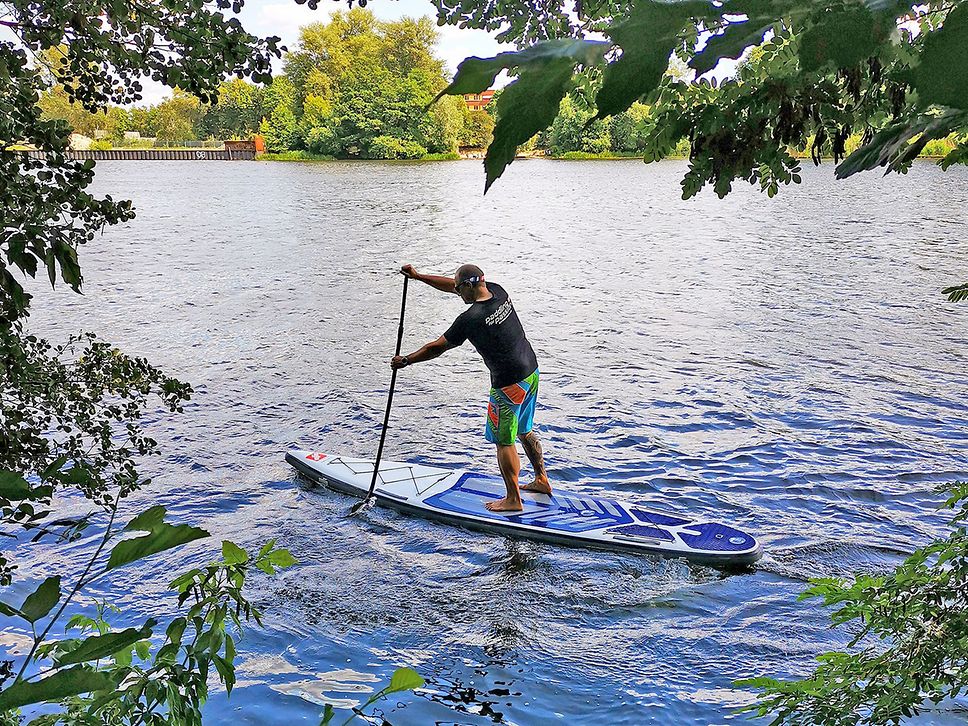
510,410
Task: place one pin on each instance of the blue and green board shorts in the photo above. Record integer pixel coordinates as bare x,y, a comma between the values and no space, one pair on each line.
510,410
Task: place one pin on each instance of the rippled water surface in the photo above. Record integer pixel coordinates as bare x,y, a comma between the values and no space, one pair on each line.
785,364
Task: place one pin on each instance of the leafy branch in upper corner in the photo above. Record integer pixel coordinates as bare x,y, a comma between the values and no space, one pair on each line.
920,611
895,74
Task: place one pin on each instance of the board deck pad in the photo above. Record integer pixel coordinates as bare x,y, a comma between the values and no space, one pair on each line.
458,497
561,512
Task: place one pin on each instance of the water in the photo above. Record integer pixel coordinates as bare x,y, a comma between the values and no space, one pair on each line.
785,364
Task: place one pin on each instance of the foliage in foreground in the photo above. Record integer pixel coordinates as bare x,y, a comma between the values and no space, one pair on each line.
894,72
122,676
920,612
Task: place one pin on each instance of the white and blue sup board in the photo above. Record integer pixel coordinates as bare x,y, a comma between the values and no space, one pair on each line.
457,497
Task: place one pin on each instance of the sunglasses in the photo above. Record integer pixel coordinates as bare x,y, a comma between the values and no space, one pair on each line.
468,281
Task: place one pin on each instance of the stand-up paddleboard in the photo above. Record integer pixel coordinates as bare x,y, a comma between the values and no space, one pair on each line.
458,497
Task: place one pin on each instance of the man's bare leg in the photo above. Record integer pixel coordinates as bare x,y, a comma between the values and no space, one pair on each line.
510,465
532,447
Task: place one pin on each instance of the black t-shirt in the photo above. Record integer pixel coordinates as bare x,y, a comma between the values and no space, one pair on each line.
494,329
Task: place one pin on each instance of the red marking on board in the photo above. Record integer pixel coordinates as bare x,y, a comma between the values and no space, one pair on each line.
316,457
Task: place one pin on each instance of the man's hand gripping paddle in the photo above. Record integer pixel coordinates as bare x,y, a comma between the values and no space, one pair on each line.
368,500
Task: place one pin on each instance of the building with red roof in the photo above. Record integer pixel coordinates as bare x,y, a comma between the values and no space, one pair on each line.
477,101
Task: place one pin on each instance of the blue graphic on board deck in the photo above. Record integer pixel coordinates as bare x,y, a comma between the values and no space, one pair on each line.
718,537
564,512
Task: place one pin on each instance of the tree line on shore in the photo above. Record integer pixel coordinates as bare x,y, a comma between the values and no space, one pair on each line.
358,87
355,87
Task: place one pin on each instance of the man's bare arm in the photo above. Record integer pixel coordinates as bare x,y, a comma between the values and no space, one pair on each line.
427,352
444,284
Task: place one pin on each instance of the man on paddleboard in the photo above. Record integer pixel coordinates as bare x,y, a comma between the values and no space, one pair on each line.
493,328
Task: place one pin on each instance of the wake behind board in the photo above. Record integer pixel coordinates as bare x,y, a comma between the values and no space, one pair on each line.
458,497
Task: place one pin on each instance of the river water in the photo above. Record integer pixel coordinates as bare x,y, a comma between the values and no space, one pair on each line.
786,364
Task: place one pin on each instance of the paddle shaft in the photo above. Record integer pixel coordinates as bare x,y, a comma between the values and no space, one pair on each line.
386,415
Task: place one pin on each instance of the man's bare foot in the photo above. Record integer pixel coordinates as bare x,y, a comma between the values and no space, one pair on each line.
505,505
542,486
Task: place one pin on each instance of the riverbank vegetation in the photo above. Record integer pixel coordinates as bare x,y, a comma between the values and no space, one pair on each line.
359,88
912,629
354,87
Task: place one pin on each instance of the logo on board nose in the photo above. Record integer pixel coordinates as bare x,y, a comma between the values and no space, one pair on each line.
316,456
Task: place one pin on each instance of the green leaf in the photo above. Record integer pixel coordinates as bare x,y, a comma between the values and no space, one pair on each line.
42,600
229,649
176,629
526,106
232,554
477,74
843,37
267,547
956,293
9,611
160,537
64,683
13,487
226,672
647,38
942,76
147,520
282,559
101,646
404,679
143,649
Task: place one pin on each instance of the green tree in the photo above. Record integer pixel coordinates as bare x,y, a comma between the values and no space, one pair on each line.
236,114
477,129
144,120
569,131
280,129
57,106
326,52
627,129
178,118
444,125
361,79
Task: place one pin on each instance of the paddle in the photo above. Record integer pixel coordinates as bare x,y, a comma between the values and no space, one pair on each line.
386,416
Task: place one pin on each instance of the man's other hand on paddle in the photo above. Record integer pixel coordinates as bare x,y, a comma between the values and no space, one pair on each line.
427,352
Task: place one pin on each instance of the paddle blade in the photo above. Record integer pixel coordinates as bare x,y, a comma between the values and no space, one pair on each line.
360,506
